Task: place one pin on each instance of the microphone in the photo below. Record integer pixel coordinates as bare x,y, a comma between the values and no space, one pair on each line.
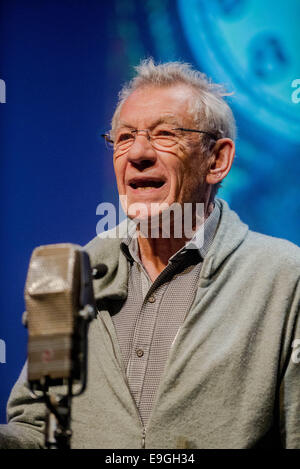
59,306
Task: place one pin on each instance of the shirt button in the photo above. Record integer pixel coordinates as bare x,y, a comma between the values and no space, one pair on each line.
140,352
152,299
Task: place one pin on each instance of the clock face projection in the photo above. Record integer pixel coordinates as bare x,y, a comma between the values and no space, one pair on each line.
253,47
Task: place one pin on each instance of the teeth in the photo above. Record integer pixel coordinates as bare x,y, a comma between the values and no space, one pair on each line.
153,185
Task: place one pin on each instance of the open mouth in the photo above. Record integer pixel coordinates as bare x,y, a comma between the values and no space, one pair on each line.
146,184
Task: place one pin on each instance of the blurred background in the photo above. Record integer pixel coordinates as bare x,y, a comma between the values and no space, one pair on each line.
63,62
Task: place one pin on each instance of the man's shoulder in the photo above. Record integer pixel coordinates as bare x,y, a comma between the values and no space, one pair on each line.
273,251
106,246
271,245
259,251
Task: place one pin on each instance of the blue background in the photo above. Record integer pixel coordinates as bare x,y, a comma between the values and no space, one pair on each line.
63,62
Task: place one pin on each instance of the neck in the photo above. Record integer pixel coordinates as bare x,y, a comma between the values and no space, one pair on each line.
155,252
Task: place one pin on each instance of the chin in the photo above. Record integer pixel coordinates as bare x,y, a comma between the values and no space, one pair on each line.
141,210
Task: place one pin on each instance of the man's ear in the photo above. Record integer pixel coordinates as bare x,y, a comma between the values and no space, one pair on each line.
222,159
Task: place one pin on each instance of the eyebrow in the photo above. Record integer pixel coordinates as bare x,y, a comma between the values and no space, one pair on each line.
160,120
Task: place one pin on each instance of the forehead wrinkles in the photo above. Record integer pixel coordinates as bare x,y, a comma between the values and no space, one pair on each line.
168,119
185,107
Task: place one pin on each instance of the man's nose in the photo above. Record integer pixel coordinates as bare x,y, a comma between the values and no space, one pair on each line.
141,152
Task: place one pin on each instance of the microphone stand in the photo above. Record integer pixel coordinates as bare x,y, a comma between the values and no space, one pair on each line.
58,425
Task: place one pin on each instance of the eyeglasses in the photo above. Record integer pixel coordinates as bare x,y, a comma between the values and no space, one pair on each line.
160,138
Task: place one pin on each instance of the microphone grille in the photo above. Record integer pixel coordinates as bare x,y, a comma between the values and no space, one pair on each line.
52,302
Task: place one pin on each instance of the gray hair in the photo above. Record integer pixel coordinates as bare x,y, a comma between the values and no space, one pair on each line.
209,107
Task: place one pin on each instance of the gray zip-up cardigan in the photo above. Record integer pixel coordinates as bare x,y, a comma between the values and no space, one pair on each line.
232,379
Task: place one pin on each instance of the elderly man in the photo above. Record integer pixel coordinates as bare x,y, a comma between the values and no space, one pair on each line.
196,340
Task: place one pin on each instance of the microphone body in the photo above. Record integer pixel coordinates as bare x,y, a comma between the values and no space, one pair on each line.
59,305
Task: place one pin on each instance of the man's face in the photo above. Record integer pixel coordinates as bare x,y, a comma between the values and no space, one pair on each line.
148,175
